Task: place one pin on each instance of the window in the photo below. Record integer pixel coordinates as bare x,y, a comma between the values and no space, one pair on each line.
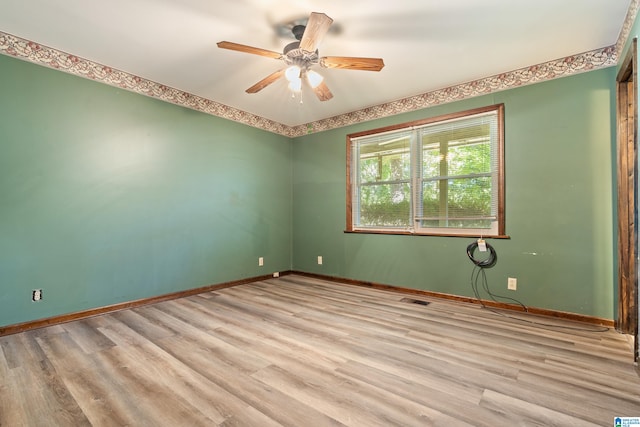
438,176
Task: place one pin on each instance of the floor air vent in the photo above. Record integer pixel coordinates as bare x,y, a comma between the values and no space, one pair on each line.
415,301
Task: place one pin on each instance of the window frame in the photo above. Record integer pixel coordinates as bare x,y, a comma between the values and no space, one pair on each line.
498,109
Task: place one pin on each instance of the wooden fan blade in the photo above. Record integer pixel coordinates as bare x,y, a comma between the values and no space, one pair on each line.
249,49
352,63
322,92
266,81
317,27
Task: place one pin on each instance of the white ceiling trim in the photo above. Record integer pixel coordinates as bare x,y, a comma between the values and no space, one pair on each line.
42,55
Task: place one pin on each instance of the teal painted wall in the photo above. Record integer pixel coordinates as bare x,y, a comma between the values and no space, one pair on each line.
559,192
108,196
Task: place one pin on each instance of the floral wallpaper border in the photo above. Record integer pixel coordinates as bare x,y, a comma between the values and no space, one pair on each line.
600,58
49,57
632,12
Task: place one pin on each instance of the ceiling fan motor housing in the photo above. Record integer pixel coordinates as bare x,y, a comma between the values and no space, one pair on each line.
301,58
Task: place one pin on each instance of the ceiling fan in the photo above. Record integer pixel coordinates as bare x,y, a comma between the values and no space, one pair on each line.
301,55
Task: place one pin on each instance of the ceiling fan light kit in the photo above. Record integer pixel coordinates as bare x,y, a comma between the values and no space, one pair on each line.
314,79
301,55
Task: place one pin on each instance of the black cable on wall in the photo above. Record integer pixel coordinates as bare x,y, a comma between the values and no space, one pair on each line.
478,276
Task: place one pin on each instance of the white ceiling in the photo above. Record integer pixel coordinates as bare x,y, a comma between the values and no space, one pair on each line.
426,44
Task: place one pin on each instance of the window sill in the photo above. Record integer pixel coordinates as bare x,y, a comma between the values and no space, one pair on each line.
408,233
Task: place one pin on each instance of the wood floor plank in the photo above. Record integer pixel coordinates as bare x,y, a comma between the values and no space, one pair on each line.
157,403
98,399
275,349
350,402
293,334
298,351
531,414
182,380
249,416
194,337
87,336
600,398
451,403
265,399
189,312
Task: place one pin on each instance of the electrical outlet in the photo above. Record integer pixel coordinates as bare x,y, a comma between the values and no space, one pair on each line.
512,283
36,295
320,260
276,274
260,261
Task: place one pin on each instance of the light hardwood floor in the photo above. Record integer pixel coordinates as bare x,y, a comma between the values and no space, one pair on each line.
297,351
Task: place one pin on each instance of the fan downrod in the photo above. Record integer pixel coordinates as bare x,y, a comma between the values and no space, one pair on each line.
298,31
